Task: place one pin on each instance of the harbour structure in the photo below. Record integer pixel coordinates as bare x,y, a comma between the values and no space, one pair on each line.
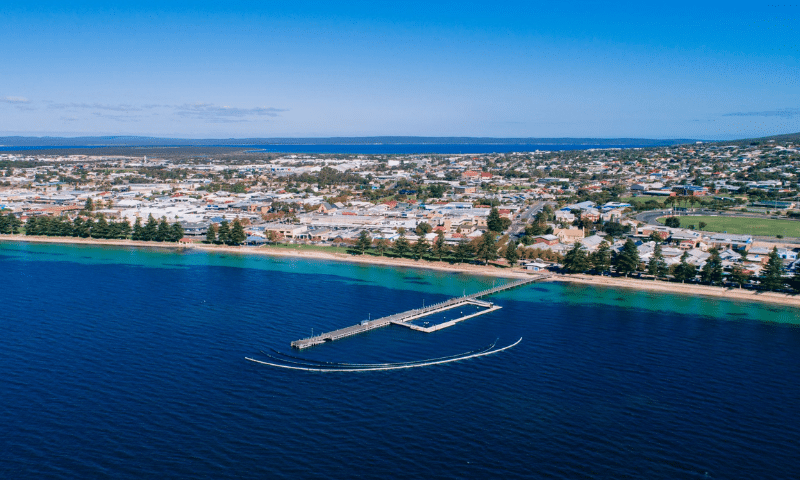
404,318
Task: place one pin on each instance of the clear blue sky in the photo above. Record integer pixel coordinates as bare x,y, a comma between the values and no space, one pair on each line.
296,68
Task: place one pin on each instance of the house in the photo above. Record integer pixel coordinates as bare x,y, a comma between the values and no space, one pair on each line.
726,240
591,243
758,254
535,266
569,235
564,217
546,239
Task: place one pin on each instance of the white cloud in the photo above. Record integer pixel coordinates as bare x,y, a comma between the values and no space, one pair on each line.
94,106
15,100
784,112
209,111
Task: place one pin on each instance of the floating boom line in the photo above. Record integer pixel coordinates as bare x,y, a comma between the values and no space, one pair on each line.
314,363
389,367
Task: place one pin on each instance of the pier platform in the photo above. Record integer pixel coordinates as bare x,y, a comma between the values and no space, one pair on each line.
403,318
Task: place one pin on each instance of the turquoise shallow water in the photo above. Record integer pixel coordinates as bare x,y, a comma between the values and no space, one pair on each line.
129,363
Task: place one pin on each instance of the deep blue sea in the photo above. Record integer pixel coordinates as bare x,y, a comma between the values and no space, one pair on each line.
371,149
130,363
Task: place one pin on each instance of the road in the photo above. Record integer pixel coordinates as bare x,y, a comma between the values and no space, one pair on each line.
517,227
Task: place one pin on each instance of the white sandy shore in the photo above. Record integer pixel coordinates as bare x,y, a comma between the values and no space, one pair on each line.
616,282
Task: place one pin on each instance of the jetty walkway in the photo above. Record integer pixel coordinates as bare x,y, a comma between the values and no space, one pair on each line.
403,318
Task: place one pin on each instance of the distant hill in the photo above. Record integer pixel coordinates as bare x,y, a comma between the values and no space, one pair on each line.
787,137
129,141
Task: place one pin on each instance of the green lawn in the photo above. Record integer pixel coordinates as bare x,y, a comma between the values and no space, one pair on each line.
743,225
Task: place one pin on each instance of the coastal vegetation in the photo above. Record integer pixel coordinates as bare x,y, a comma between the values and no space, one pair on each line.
627,262
226,234
99,227
9,224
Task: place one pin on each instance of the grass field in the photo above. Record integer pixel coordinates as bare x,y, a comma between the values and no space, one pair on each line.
743,225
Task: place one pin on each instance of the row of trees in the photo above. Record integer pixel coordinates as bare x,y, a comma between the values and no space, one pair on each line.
627,261
80,227
9,224
483,248
156,231
101,228
226,234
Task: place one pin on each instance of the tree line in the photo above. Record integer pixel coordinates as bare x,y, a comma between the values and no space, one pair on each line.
627,261
226,234
484,248
9,224
99,227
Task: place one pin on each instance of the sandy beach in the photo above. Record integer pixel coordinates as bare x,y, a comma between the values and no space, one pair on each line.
470,269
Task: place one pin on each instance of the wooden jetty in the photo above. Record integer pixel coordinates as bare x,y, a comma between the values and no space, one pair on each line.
403,318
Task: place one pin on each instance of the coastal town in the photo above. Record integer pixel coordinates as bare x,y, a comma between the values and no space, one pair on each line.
719,213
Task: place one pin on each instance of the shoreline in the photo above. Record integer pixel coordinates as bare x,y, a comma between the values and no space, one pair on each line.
657,286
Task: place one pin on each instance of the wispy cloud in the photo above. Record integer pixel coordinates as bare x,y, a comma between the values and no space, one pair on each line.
94,106
117,118
783,112
15,100
209,111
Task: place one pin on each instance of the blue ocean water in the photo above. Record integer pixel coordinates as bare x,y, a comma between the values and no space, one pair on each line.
372,149
129,363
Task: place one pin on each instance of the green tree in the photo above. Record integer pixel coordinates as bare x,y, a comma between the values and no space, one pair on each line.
9,224
100,229
536,228
702,225
796,278
123,229
738,276
237,235
89,205
88,226
655,237
138,231
601,258
657,266
684,270
576,260
177,232
423,228
163,232
381,246
80,228
150,230
493,221
672,222
421,248
401,245
772,276
439,248
224,232
712,270
31,226
463,251
512,255
364,241
487,247
211,233
628,258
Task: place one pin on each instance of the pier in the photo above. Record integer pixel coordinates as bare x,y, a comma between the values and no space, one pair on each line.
403,318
